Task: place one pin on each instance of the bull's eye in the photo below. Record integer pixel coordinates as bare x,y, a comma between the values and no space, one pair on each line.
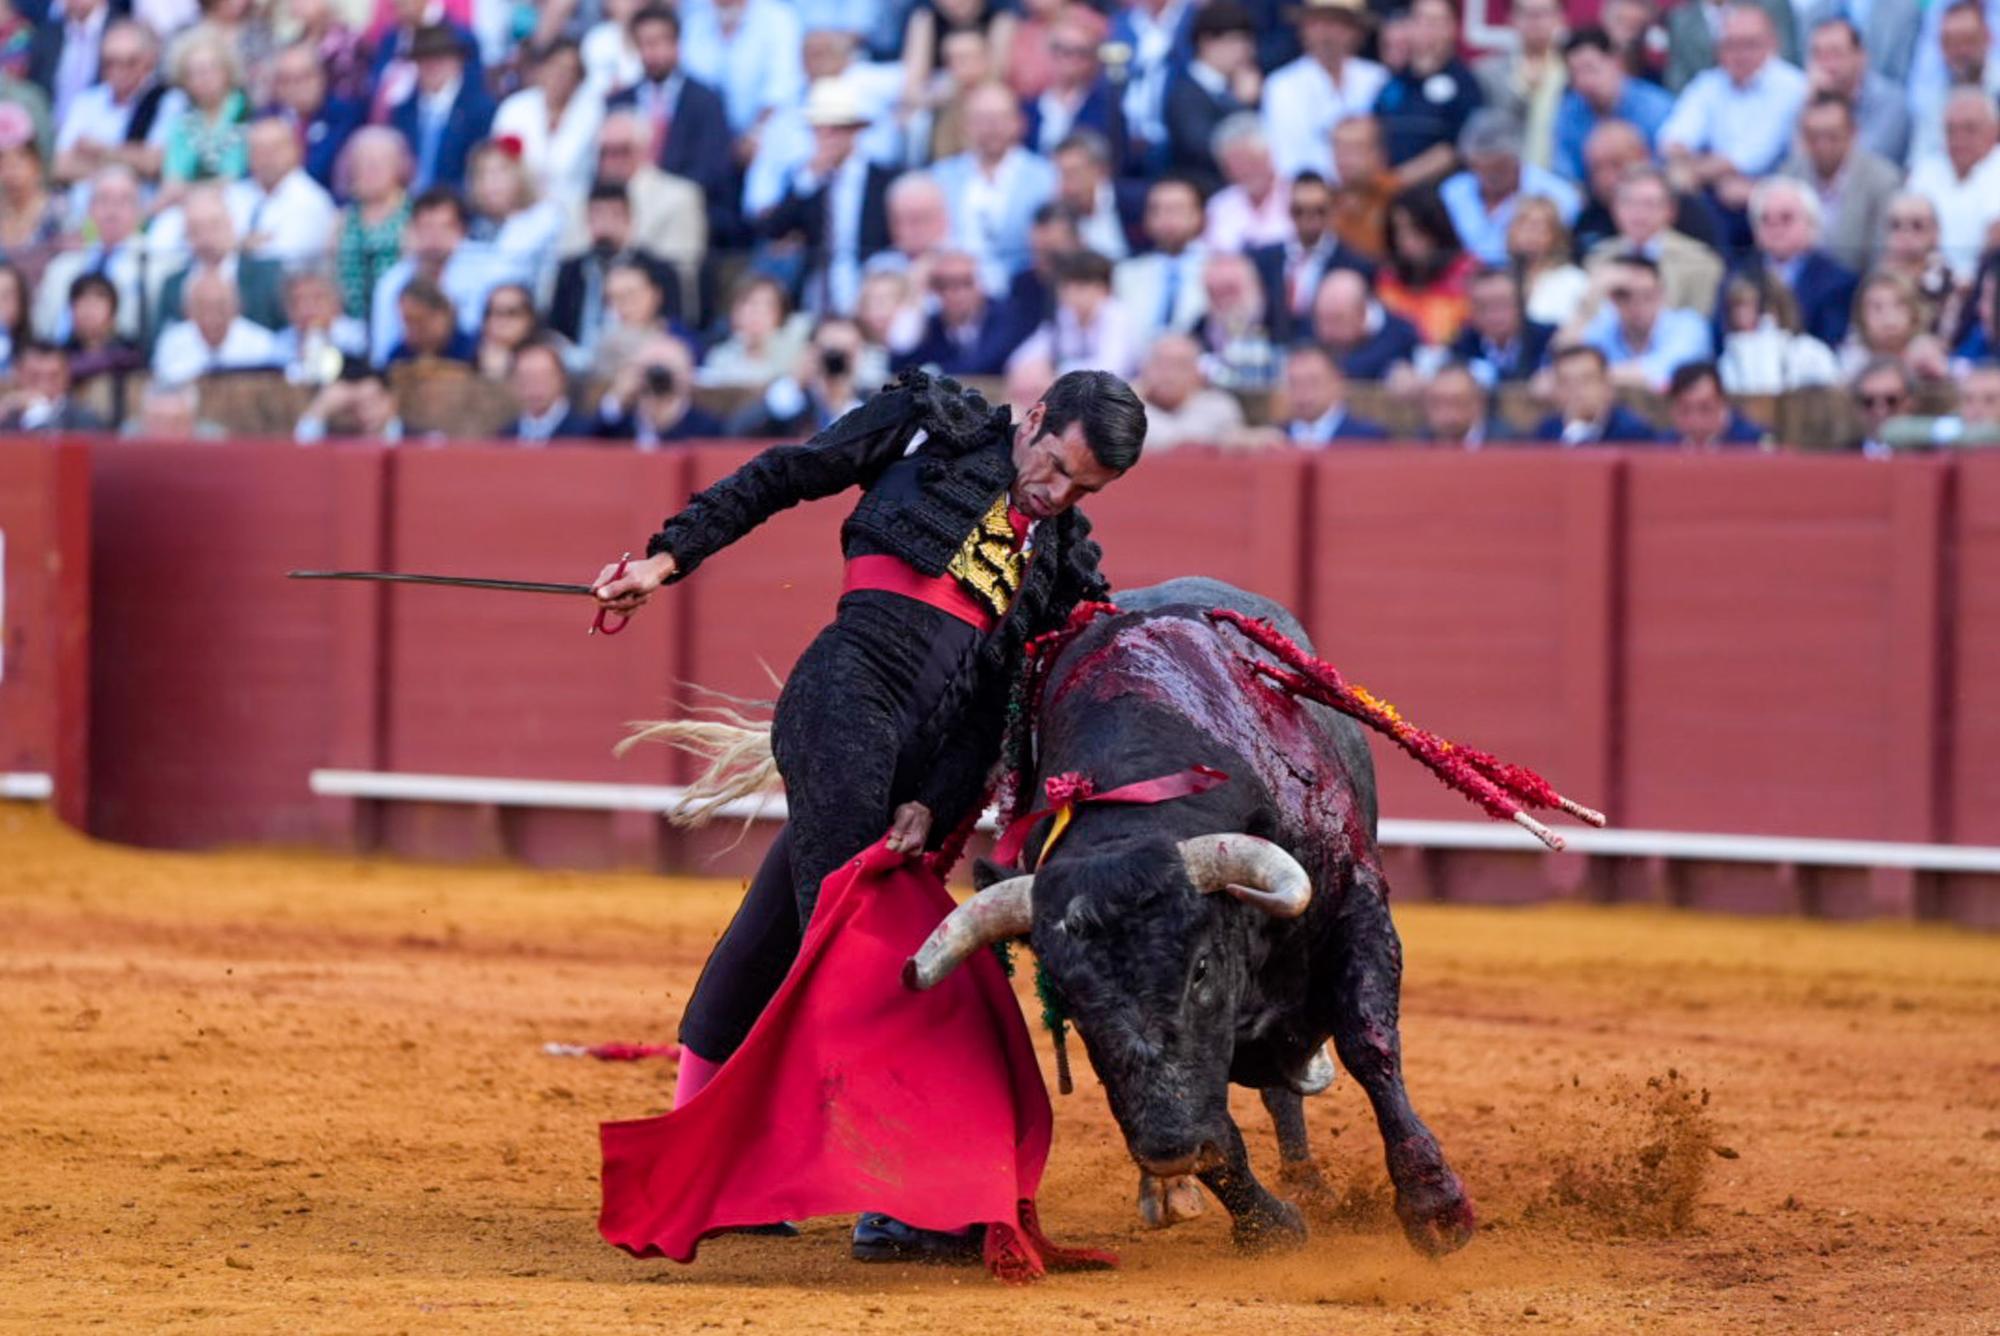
1200,971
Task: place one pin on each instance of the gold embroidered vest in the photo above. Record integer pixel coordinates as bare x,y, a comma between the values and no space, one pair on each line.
990,562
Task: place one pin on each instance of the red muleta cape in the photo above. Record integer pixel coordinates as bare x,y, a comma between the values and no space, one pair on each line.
853,1093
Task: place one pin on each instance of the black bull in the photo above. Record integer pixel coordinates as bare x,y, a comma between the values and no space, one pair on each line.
1175,992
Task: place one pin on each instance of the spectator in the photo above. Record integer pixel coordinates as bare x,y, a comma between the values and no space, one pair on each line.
785,141
965,333
1254,209
541,387
323,122
1324,87
1527,83
919,227
1643,340
555,120
211,239
1454,409
1366,185
1977,333
1696,40
1731,124
1764,350
1425,279
95,346
1027,59
67,52
1600,92
1292,269
888,311
1613,151
368,238
14,305
1162,290
835,202
1078,96
1588,412
937,117
317,338
39,398
1482,198
610,57
1978,398
434,248
1837,68
1364,340
395,72
509,325
430,327
280,212
1642,210
670,219
123,120
1315,391
359,405
1956,53
634,304
206,142
1885,29
214,337
1851,187
517,229
31,101
1963,185
1236,332
1888,324
240,26
1538,250
764,336
1160,36
1031,298
749,51
578,308
658,384
171,413
1882,390
334,46
1085,186
1090,330
1702,417
1501,343
687,130
820,392
995,186
1637,37
31,218
1785,220
1909,249
1424,106
116,253
446,113
1182,408
1222,81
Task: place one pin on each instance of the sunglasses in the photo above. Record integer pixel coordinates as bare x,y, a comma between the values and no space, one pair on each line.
1621,295
1882,400
510,310
1908,224
1071,49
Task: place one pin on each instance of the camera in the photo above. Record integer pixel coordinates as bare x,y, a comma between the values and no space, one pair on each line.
659,380
835,362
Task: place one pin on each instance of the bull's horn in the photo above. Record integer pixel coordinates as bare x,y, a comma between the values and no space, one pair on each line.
1254,870
1003,910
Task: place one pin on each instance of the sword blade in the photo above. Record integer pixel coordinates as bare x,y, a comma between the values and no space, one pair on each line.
451,581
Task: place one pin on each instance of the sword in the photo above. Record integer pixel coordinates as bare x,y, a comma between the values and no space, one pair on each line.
600,623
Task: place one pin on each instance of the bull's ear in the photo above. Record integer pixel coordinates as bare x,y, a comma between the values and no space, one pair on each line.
985,872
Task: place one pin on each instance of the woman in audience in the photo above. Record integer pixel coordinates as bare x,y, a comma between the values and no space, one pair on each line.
314,23
1889,322
634,312
374,175
1763,350
1909,249
31,217
1978,333
1426,277
94,346
880,312
1538,246
555,119
765,336
206,142
243,28
508,323
13,313
932,21
509,214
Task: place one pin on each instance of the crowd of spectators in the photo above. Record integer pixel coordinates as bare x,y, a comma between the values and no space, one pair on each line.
648,223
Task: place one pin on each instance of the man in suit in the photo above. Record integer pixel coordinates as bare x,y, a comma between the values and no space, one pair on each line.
540,383
1837,66
430,328
1078,97
124,117
1291,270
1590,412
63,50
1158,34
1210,90
690,129
669,217
117,253
1499,344
1642,210
1108,211
835,202
211,239
446,114
1162,289
1454,408
1316,413
1702,415
1785,219
577,309
966,333
1692,28
995,186
39,399
323,123
1852,185
1610,152
1365,340
1886,31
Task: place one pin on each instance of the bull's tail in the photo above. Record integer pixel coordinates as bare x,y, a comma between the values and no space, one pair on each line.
734,742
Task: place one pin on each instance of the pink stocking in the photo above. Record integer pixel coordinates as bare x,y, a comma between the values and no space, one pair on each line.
696,1072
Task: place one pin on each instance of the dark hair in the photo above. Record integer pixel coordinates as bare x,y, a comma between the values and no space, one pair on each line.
1969,315
657,14
1690,374
1184,182
21,290
1832,100
606,192
1055,211
1086,141
527,295
355,371
633,264
1114,421
1487,272
1421,205
1844,24
442,197
1309,177
1308,348
1590,38
426,293
1972,7
1222,18
1577,350
97,283
40,348
1637,260
1084,266
554,47
545,345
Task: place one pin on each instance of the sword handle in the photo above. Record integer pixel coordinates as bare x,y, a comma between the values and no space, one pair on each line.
601,622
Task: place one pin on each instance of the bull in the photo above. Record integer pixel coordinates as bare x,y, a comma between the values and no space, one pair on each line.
1218,938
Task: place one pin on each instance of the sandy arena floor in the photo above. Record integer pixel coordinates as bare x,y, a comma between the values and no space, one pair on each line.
285,1092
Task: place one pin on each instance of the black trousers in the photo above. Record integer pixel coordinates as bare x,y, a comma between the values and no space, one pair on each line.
850,737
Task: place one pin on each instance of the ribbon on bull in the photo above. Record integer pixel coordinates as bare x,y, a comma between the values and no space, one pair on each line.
1068,791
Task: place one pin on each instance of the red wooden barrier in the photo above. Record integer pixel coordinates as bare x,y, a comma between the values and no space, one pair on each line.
1195,513
45,616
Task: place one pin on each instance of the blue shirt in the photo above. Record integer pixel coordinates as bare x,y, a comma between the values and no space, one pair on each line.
1485,233
1644,105
757,69
1678,337
1751,126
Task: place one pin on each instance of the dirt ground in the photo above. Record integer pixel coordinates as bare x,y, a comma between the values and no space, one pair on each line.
260,1092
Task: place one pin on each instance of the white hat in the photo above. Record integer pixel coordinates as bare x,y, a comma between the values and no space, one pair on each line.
833,102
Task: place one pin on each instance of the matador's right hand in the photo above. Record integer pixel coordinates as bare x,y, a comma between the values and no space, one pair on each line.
628,592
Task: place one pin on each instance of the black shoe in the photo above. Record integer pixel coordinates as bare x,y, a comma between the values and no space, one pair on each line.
882,1238
783,1229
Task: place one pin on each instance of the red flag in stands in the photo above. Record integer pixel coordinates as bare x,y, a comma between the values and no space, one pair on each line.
853,1093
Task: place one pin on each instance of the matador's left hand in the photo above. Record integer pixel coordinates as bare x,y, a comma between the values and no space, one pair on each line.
910,829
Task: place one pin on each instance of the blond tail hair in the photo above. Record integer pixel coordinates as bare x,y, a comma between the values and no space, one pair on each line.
732,737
